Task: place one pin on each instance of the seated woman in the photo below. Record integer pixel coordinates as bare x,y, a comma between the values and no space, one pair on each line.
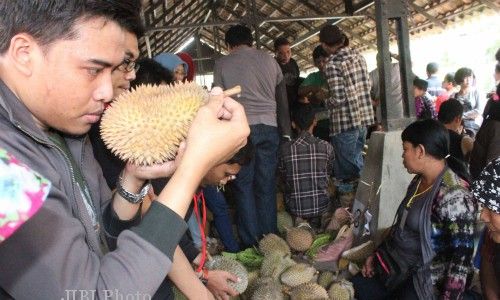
486,189
427,254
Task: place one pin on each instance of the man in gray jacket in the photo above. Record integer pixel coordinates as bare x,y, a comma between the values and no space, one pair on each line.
56,61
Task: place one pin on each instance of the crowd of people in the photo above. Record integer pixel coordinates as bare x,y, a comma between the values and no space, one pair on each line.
96,225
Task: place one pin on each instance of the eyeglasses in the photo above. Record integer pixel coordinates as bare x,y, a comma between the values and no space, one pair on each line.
128,66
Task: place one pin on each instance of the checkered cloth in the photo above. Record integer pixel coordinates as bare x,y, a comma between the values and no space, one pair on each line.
349,84
486,188
305,165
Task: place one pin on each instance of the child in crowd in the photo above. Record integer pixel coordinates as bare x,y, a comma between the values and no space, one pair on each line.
305,164
424,107
448,86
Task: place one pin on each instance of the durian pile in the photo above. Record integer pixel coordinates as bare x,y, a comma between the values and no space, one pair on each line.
146,125
283,265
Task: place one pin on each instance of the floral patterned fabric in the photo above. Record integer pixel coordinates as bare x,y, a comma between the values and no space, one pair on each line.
22,193
486,189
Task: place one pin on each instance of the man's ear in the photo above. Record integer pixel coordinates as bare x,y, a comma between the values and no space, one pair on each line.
294,126
21,53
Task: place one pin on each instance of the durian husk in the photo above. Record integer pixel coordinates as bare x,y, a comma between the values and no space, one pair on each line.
146,125
299,239
232,266
297,274
271,243
308,291
360,253
341,290
284,221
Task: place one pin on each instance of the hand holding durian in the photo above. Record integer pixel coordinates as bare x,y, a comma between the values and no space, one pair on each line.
146,126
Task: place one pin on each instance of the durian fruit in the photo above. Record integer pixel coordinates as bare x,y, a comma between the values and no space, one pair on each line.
341,290
268,289
285,221
341,217
359,253
232,266
146,125
299,239
343,264
326,278
271,243
308,291
274,264
298,274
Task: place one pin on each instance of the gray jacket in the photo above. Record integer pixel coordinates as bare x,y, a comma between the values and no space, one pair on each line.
58,254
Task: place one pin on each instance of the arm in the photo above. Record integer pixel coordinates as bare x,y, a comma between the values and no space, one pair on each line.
54,253
183,276
282,110
457,211
336,85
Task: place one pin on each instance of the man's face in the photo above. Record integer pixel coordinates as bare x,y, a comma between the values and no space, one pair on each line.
283,54
121,77
71,82
417,92
320,63
179,73
328,49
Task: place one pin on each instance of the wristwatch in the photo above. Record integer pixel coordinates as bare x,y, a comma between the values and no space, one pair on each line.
131,197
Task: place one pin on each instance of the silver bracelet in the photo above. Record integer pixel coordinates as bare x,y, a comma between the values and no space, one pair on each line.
131,197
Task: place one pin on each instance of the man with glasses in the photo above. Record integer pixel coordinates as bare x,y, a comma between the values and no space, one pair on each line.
54,83
121,77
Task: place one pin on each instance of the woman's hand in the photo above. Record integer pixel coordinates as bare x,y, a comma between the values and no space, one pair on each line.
368,270
217,284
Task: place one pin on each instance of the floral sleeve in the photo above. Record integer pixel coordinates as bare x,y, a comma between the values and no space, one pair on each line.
22,193
457,215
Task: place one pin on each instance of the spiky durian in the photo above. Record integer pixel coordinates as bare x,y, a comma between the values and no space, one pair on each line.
274,264
326,278
308,291
146,125
299,239
271,243
232,266
297,274
284,221
268,289
360,253
341,290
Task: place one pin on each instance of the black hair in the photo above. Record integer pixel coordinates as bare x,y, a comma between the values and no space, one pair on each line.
497,68
497,55
449,110
461,74
333,36
450,77
51,20
151,72
303,116
432,68
244,155
492,109
435,139
420,83
280,42
319,52
238,35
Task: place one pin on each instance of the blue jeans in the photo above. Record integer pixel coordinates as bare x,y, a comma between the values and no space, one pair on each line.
255,187
348,146
216,202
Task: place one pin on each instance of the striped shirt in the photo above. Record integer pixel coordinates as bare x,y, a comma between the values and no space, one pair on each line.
305,164
348,80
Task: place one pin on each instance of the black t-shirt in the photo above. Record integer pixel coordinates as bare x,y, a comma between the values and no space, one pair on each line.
291,75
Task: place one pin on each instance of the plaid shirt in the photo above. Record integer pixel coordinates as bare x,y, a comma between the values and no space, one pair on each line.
349,84
304,165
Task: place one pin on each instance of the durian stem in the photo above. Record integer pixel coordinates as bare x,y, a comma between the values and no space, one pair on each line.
233,91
